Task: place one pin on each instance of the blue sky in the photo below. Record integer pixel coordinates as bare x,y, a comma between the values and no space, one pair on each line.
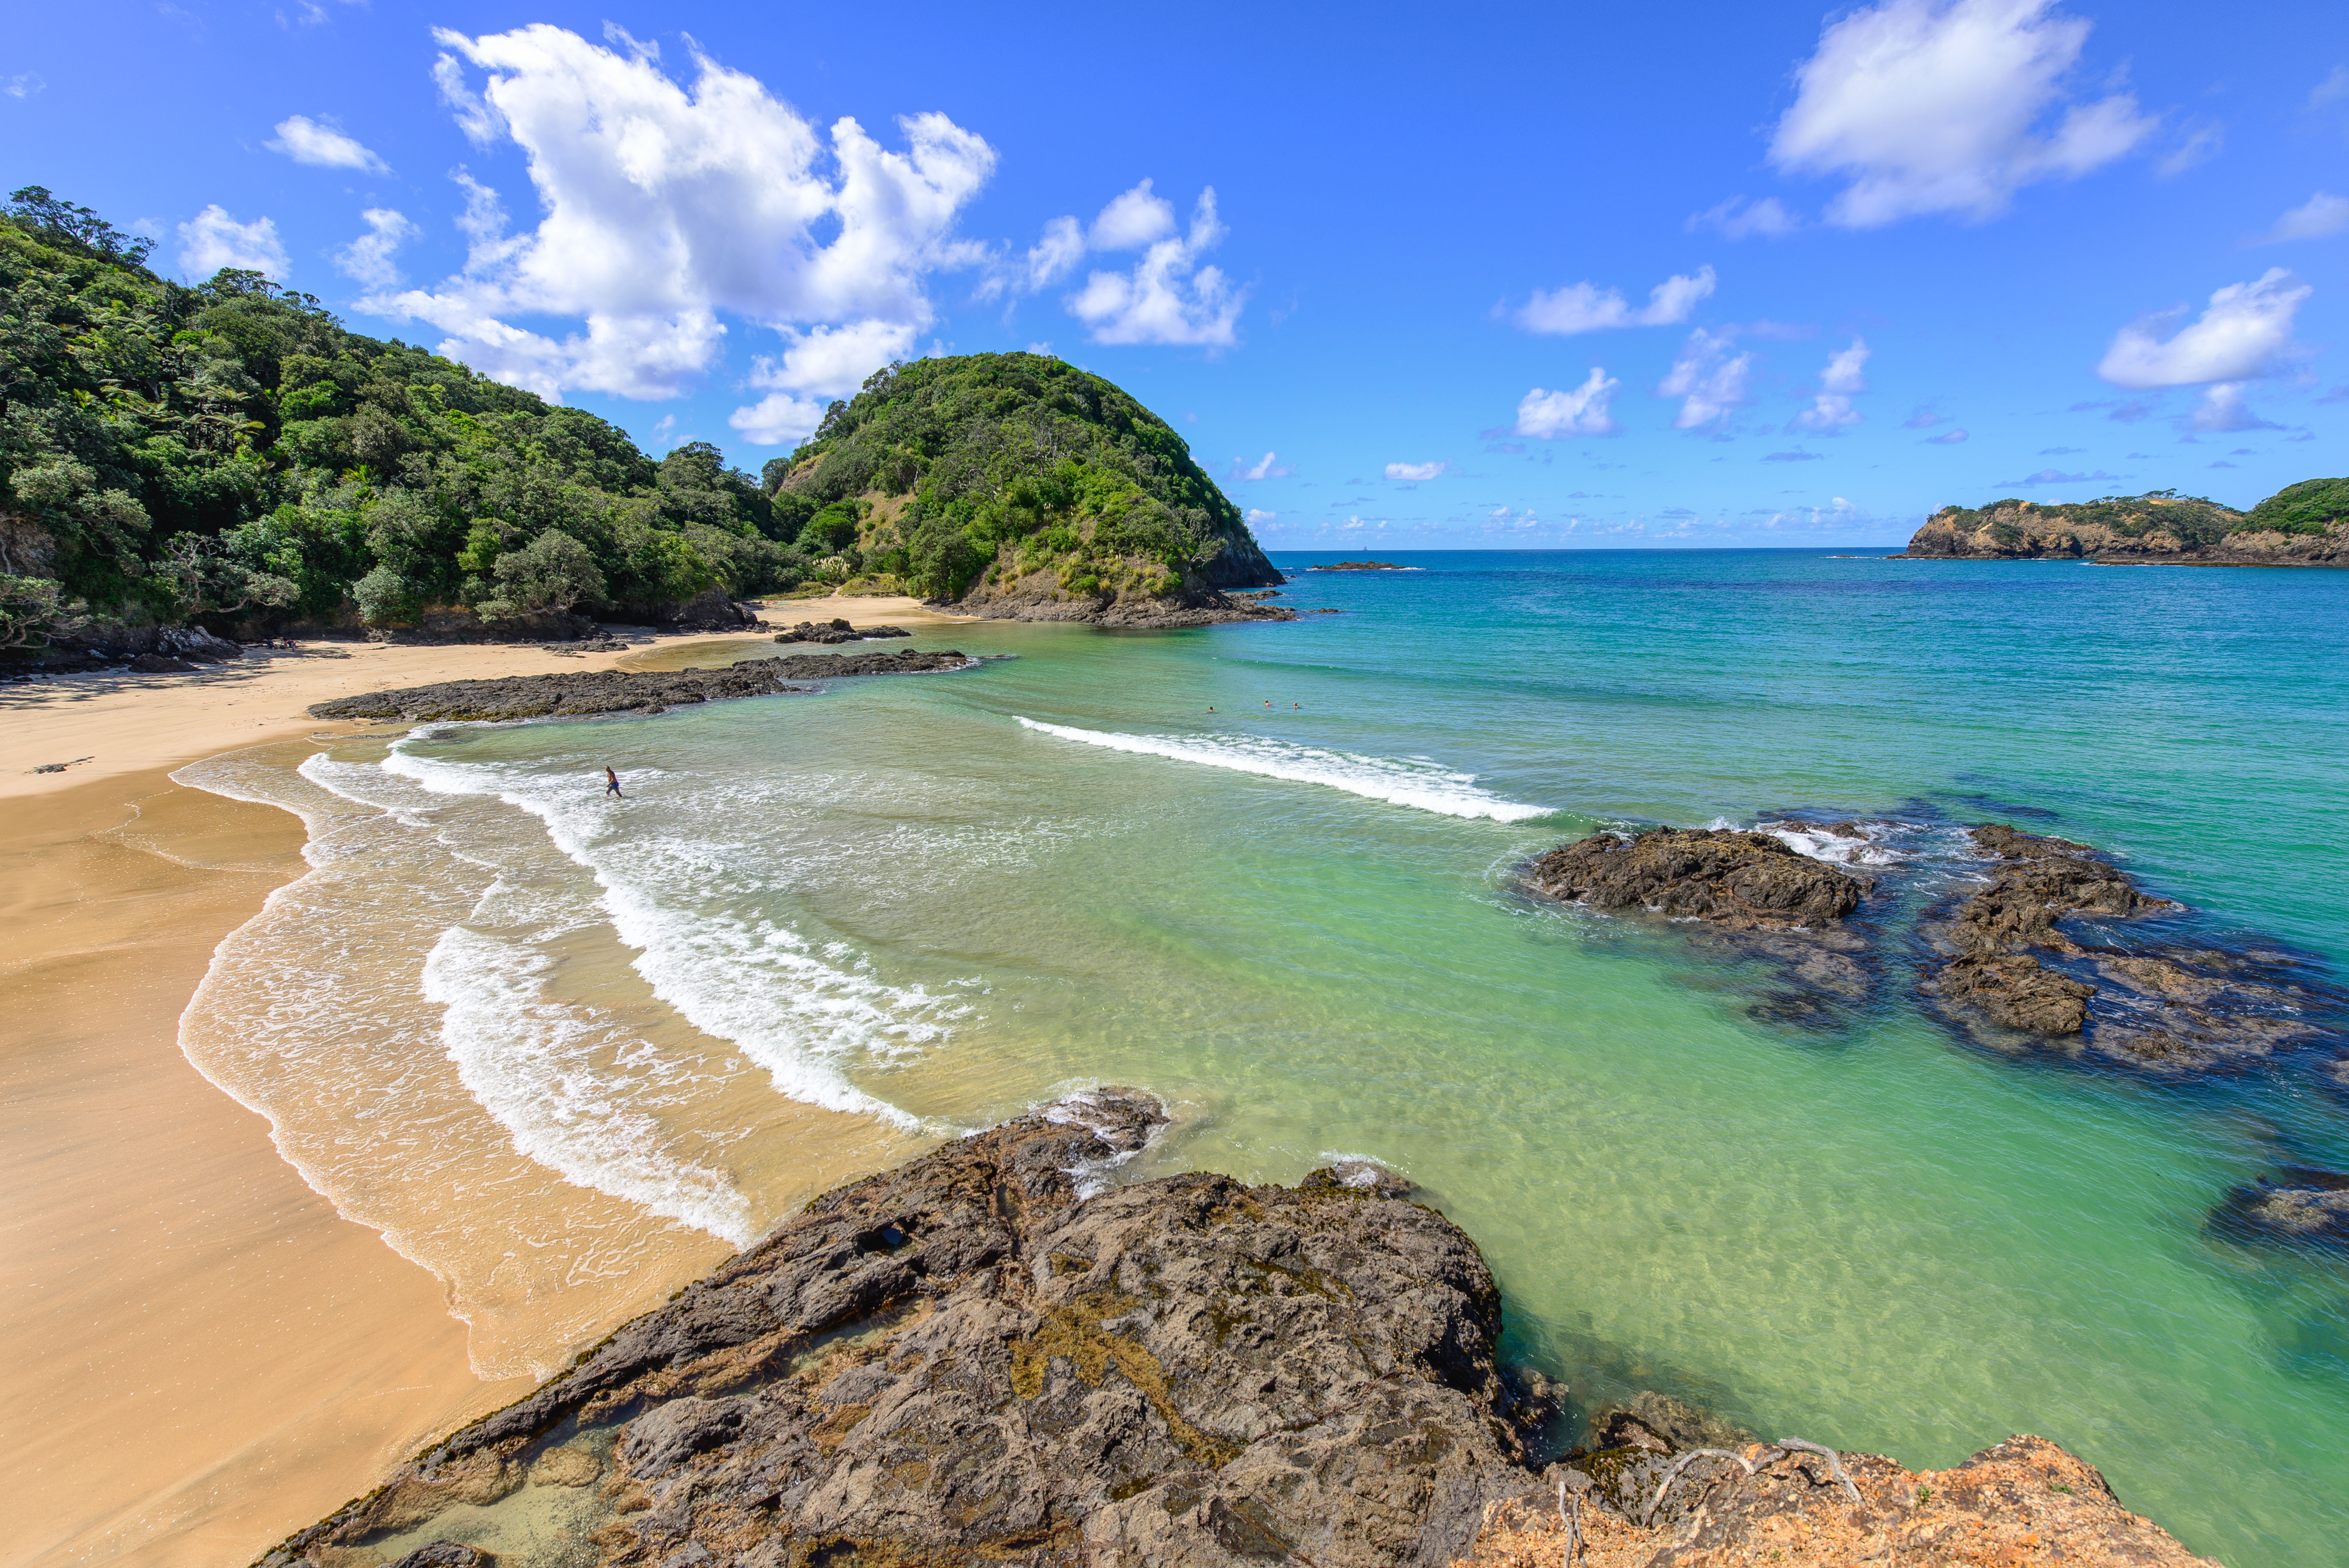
1581,276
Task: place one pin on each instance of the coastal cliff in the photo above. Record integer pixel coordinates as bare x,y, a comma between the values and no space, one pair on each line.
994,1355
2303,525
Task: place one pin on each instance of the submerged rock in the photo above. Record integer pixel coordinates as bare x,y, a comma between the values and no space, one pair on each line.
2013,958
2303,1206
967,1360
625,690
1745,881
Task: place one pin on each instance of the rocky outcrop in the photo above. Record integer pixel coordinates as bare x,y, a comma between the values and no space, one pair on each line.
987,1356
2129,530
1745,881
2025,1500
1040,597
2012,957
2301,1207
624,691
837,631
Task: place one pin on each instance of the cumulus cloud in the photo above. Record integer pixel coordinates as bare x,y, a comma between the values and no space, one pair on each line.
668,205
1413,473
2319,215
1167,296
1265,467
778,418
1739,219
1943,106
2245,333
1708,378
323,144
2222,408
1549,416
1259,519
213,240
1843,377
1587,308
369,258
1056,255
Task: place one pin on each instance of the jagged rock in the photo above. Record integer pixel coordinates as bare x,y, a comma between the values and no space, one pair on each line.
1742,881
625,690
161,664
447,1554
2303,1206
968,1360
838,630
2025,1500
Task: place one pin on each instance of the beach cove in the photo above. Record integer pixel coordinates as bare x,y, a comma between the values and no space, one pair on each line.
832,929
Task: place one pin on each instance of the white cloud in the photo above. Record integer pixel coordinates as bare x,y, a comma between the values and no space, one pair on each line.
1168,297
1843,377
2335,85
368,258
1132,221
213,240
1938,105
2246,332
323,144
1947,438
2319,215
24,84
1413,473
1708,378
777,419
667,206
1739,219
1587,308
1056,255
2201,143
1264,467
1259,519
2222,408
1550,416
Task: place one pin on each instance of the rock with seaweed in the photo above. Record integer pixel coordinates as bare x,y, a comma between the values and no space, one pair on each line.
2301,1206
988,1356
1745,881
591,691
2303,525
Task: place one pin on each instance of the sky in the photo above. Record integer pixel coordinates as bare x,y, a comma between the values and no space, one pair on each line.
1566,276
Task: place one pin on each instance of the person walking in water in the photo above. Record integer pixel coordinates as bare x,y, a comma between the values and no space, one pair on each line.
611,784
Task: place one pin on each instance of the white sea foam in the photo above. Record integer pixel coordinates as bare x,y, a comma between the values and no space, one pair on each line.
530,1060
1426,787
742,977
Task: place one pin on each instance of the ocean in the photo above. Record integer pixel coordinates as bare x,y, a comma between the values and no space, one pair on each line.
568,1052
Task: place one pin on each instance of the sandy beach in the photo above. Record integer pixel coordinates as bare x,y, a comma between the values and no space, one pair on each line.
205,1355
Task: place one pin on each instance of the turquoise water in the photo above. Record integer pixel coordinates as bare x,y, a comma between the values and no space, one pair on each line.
897,900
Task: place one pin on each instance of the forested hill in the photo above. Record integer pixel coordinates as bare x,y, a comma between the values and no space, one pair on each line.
1018,483
228,453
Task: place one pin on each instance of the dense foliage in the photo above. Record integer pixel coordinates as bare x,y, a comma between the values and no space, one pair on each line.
2311,506
945,473
230,451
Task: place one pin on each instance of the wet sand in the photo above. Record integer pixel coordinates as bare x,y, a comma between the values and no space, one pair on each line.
200,1354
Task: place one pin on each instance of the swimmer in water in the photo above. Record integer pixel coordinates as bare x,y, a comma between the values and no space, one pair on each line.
611,784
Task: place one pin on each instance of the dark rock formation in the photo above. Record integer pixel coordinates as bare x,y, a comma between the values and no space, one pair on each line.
2012,960
832,631
1361,567
458,624
2301,1207
623,691
1041,598
1742,881
968,1360
2025,1500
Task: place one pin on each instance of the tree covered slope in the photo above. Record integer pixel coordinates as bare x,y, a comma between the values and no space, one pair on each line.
1019,485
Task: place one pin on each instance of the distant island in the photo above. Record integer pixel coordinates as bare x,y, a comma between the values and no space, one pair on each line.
1361,566
2303,525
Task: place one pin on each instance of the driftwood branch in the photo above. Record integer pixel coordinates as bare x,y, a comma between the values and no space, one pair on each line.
1680,1464
1835,1462
1573,1522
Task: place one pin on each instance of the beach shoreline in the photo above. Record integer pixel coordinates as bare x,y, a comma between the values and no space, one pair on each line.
210,1354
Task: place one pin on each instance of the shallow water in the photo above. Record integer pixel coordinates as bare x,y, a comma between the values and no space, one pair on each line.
567,1051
